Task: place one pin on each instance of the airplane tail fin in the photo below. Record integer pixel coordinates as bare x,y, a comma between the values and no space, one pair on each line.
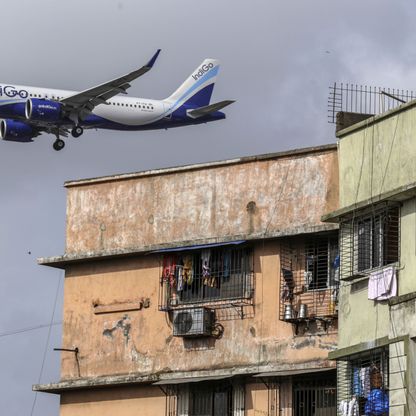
196,91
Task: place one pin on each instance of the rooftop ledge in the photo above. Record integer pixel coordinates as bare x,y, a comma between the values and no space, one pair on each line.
180,377
396,195
61,262
198,166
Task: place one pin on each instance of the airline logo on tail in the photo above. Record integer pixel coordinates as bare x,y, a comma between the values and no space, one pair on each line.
202,70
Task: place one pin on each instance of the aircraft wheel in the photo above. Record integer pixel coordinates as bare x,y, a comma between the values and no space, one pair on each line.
58,144
77,131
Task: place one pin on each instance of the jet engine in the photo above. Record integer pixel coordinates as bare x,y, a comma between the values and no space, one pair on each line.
43,110
16,131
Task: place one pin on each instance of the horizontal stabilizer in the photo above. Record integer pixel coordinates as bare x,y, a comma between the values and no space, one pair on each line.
208,109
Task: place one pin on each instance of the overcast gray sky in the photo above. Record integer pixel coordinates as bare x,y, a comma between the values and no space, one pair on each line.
275,63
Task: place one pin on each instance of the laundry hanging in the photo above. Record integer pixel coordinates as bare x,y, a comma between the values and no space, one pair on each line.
382,284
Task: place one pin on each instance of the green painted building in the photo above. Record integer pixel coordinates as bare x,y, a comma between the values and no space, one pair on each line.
376,355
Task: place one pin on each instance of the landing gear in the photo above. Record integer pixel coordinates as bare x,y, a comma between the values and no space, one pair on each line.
58,144
77,131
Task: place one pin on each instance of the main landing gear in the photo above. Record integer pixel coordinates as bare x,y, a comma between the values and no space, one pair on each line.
77,131
58,144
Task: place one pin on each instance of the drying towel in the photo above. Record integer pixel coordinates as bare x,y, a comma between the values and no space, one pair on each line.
382,284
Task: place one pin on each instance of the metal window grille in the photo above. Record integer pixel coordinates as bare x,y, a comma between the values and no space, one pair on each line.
206,399
369,240
363,383
217,277
315,397
309,277
364,99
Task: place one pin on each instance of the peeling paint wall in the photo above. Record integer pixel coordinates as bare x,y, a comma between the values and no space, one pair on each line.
277,195
141,341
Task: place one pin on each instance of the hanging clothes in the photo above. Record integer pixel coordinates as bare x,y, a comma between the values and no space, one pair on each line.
336,266
188,269
377,403
382,284
349,408
289,285
365,381
179,277
227,264
168,272
343,407
308,277
353,409
356,383
206,271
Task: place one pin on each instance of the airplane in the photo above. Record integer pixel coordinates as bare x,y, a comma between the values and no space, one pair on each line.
27,112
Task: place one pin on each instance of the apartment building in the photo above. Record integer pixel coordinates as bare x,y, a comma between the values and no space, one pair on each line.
209,289
377,219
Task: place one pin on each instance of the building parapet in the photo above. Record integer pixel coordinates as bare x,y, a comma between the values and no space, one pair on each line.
399,194
199,166
182,377
67,259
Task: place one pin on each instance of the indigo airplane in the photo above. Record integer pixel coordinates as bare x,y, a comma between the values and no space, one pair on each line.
27,112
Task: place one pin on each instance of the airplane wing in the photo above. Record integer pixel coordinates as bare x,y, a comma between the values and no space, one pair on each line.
81,104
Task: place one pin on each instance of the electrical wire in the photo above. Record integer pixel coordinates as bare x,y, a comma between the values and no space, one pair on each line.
47,340
28,329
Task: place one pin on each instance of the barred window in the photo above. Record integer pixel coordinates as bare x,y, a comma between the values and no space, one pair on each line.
213,400
204,276
309,276
221,398
370,240
363,383
321,262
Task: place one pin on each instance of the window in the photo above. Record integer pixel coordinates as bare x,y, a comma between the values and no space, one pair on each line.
309,276
211,401
377,240
209,275
315,395
369,240
363,382
221,398
321,262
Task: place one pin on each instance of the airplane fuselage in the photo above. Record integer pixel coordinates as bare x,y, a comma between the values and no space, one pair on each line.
118,113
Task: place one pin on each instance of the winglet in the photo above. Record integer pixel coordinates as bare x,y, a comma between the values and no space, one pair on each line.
153,60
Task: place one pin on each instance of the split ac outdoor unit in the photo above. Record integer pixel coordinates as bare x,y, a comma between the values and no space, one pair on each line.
195,322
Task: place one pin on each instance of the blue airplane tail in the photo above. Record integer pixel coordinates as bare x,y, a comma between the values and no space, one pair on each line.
197,90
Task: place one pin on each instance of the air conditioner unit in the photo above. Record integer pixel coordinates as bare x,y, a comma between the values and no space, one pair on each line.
195,322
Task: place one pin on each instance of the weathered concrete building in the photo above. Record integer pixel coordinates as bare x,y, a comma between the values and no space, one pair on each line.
377,216
202,290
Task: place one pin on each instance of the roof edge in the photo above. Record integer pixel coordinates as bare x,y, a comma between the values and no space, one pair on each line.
131,379
64,260
198,166
398,194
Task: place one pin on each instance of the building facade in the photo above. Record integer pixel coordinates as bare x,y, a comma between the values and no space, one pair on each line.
209,289
377,219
